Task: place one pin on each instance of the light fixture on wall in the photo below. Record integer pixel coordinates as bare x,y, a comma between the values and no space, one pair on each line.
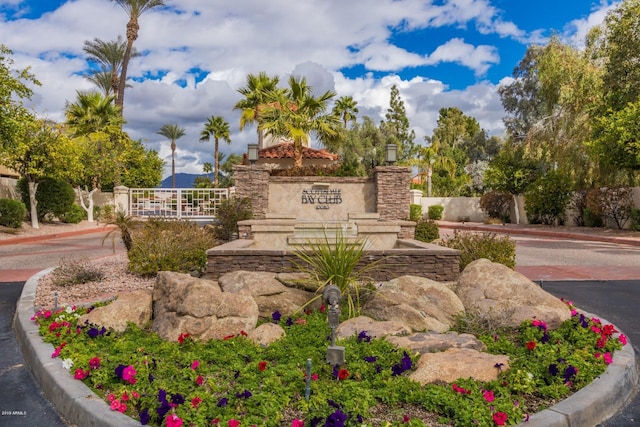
252,153
391,154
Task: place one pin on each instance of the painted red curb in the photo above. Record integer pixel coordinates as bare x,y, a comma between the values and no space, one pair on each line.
30,239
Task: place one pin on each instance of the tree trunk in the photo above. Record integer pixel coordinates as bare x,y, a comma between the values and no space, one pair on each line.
516,208
216,163
88,205
33,186
132,35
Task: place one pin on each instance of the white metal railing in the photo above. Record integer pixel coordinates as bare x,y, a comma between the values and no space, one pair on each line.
189,203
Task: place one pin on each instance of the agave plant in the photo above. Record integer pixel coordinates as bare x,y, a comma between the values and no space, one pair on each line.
335,260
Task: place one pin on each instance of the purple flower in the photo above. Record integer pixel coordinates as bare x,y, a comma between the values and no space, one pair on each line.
569,372
553,369
362,336
404,365
276,316
370,359
245,394
164,407
93,332
222,402
337,419
144,417
151,378
177,398
545,338
119,370
289,321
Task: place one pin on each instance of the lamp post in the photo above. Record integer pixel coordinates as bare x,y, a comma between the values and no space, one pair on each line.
391,154
252,153
332,297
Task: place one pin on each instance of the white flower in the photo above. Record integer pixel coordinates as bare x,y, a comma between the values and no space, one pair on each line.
67,363
69,310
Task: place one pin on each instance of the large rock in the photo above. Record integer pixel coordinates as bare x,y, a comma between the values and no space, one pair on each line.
494,290
134,307
198,307
373,328
267,291
431,342
266,334
420,303
456,363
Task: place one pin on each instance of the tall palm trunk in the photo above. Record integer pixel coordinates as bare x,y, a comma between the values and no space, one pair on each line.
132,35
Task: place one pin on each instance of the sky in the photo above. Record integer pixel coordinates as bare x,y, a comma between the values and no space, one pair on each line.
196,54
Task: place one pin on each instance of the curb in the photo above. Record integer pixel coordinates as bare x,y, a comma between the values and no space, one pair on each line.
545,233
30,239
591,405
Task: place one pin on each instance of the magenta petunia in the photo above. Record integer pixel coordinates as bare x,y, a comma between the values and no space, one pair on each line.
195,364
488,396
173,420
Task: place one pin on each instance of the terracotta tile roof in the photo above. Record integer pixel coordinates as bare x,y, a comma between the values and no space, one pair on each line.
285,151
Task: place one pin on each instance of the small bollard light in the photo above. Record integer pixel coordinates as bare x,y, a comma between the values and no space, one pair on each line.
332,297
55,301
307,390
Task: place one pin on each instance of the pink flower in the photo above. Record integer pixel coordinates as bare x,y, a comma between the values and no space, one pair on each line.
500,418
314,377
623,339
488,396
129,374
233,423
94,362
173,420
195,364
297,423
135,394
608,359
80,374
111,397
116,405
125,396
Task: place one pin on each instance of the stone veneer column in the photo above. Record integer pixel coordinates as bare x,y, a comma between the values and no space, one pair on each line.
393,197
253,182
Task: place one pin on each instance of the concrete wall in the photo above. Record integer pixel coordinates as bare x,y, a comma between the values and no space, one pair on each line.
456,209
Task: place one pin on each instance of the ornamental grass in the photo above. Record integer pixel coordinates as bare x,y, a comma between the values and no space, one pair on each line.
233,382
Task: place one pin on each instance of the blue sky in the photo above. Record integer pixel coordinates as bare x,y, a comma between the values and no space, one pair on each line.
197,53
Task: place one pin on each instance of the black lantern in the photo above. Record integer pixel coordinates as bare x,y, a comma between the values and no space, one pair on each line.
391,154
252,153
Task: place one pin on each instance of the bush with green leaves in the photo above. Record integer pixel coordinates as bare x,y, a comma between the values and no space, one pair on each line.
473,246
229,212
427,230
54,198
169,245
12,213
74,215
635,219
435,212
546,200
415,212
617,203
497,204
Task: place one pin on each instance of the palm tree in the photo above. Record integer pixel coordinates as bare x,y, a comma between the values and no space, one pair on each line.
218,128
109,55
207,168
260,88
346,109
297,113
172,132
428,159
134,9
92,112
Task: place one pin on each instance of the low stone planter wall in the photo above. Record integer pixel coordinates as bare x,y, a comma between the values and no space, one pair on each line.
408,257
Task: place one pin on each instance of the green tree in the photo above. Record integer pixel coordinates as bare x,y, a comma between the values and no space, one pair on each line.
218,128
428,159
226,168
14,89
109,56
297,113
134,9
172,132
142,167
398,122
207,168
260,89
346,108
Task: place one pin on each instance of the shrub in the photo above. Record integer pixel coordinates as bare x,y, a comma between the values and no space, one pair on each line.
104,213
12,213
54,197
435,212
169,245
497,204
473,246
75,272
593,209
617,203
74,215
229,212
125,224
591,219
547,198
635,219
427,230
415,212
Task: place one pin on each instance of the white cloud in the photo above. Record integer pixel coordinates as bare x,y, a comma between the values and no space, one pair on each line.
478,58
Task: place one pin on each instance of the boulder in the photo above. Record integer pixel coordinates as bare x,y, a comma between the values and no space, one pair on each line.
420,303
266,334
268,292
432,342
198,307
134,307
373,328
494,290
456,363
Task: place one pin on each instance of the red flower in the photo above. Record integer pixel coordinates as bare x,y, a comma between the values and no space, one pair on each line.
228,337
262,365
196,401
602,341
199,380
500,418
531,345
80,374
488,396
94,362
343,374
459,389
244,334
183,337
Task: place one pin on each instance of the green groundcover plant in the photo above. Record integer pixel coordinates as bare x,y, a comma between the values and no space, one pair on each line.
233,382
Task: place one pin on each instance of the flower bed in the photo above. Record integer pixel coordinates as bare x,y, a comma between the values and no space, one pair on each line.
232,382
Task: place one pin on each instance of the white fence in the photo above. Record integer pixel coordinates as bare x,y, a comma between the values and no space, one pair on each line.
181,203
